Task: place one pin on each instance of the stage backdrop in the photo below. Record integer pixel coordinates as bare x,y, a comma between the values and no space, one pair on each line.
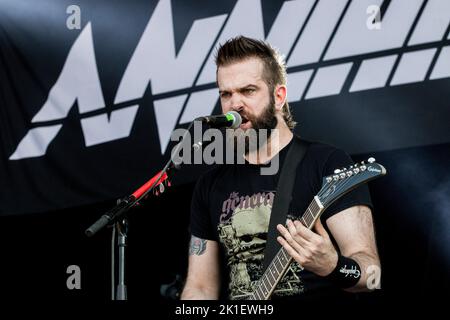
90,91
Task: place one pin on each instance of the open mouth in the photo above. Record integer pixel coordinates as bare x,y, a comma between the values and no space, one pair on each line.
246,124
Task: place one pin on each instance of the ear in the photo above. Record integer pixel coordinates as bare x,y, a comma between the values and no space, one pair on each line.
280,96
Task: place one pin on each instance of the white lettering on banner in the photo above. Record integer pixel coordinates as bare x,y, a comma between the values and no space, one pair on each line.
353,37
35,143
246,20
442,66
98,129
328,80
413,67
373,73
159,63
297,84
292,17
166,112
432,23
317,32
200,103
75,82
168,71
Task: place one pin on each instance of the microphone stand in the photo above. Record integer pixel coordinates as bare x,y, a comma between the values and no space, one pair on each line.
116,216
122,230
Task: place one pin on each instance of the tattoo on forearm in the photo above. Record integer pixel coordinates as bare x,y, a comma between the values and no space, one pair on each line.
197,246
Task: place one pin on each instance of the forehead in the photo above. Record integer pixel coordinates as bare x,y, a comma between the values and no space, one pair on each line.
240,74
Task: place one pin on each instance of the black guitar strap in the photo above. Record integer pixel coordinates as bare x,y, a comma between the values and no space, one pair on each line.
283,196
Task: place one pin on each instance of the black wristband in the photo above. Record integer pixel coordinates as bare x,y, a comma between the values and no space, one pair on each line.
346,274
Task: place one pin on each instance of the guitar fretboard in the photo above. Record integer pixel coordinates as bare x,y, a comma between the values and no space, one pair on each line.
280,263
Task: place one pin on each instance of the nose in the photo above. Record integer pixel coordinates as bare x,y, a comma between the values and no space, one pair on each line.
237,108
236,103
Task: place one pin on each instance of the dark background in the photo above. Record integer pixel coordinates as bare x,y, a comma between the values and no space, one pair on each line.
410,218
46,203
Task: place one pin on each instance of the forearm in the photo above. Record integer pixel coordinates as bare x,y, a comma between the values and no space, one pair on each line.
203,280
191,292
370,272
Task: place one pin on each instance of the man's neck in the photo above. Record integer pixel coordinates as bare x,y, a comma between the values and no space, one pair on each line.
279,138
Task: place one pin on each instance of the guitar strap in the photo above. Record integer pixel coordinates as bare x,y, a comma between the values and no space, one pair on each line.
283,196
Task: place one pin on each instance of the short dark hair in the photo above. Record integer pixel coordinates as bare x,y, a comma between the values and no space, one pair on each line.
241,48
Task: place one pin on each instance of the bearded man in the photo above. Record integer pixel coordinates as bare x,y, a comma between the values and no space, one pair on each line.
231,204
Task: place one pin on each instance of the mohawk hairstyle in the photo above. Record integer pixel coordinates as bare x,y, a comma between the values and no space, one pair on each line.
274,73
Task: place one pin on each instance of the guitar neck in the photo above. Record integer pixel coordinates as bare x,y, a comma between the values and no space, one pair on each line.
334,186
280,263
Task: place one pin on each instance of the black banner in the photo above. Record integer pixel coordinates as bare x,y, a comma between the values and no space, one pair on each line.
90,91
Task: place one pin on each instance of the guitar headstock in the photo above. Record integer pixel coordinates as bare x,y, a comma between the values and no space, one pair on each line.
346,179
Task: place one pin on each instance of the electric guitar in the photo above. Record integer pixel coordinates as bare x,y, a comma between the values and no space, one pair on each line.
333,187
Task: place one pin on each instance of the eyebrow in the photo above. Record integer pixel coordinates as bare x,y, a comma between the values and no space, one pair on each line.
241,88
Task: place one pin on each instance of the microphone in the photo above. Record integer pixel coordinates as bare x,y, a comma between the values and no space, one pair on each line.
231,120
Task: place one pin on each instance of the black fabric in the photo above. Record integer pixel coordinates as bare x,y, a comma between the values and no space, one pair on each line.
231,204
346,274
283,198
81,166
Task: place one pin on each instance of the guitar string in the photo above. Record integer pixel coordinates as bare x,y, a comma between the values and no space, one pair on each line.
313,205
340,185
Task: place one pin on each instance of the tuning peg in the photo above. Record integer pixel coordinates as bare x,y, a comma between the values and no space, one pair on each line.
161,187
168,183
342,175
356,170
329,179
371,160
337,171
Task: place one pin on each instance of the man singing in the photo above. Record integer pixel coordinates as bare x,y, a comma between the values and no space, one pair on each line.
231,205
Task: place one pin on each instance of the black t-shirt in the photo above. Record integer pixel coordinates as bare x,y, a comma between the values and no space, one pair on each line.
231,204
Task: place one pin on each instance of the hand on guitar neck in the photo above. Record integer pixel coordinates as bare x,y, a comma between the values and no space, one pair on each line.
313,251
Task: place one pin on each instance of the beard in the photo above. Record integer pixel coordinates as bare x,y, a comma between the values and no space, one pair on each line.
266,121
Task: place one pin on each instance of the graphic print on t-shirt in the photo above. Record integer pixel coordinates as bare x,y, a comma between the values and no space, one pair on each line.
243,226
